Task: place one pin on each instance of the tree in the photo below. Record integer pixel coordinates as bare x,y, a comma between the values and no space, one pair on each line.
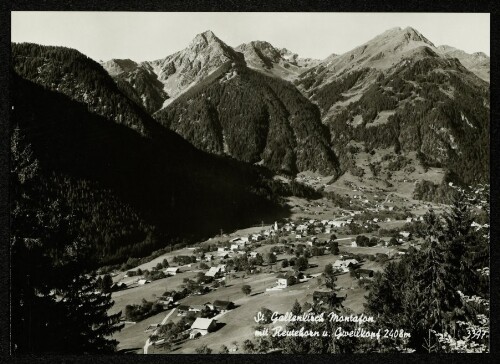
56,306
352,272
296,308
329,276
422,291
267,313
263,345
478,324
246,289
334,247
223,350
248,346
204,349
393,241
284,263
301,264
362,240
106,283
291,280
270,258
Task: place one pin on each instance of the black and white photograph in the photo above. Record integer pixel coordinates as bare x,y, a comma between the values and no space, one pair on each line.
249,182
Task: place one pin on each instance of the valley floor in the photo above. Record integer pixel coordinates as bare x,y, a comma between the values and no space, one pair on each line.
238,325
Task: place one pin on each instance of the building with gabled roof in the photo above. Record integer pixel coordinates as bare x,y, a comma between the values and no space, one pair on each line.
202,326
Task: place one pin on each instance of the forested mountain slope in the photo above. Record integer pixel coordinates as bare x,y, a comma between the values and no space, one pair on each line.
135,193
253,118
398,91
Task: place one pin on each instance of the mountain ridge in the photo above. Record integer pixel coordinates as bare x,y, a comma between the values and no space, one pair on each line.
350,84
264,57
477,62
155,175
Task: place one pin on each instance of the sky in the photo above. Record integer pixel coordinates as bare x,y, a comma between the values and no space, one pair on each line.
154,35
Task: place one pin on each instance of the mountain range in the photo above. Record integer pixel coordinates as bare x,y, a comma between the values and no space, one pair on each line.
399,90
135,185
250,93
190,142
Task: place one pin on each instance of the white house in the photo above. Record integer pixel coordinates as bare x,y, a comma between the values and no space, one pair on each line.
202,326
256,237
172,271
241,240
282,279
344,265
337,223
301,227
213,272
142,282
404,234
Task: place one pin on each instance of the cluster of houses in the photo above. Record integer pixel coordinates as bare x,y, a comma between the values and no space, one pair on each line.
314,226
312,181
347,263
218,306
343,265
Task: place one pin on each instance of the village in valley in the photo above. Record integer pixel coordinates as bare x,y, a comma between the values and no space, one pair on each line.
171,193
207,294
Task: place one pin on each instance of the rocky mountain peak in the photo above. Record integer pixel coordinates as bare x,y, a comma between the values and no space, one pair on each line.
283,63
267,50
478,62
204,39
413,34
403,36
116,67
480,55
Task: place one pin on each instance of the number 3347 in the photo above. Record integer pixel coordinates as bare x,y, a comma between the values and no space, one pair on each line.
476,334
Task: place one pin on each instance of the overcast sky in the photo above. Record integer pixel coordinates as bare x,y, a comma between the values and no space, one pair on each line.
150,36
